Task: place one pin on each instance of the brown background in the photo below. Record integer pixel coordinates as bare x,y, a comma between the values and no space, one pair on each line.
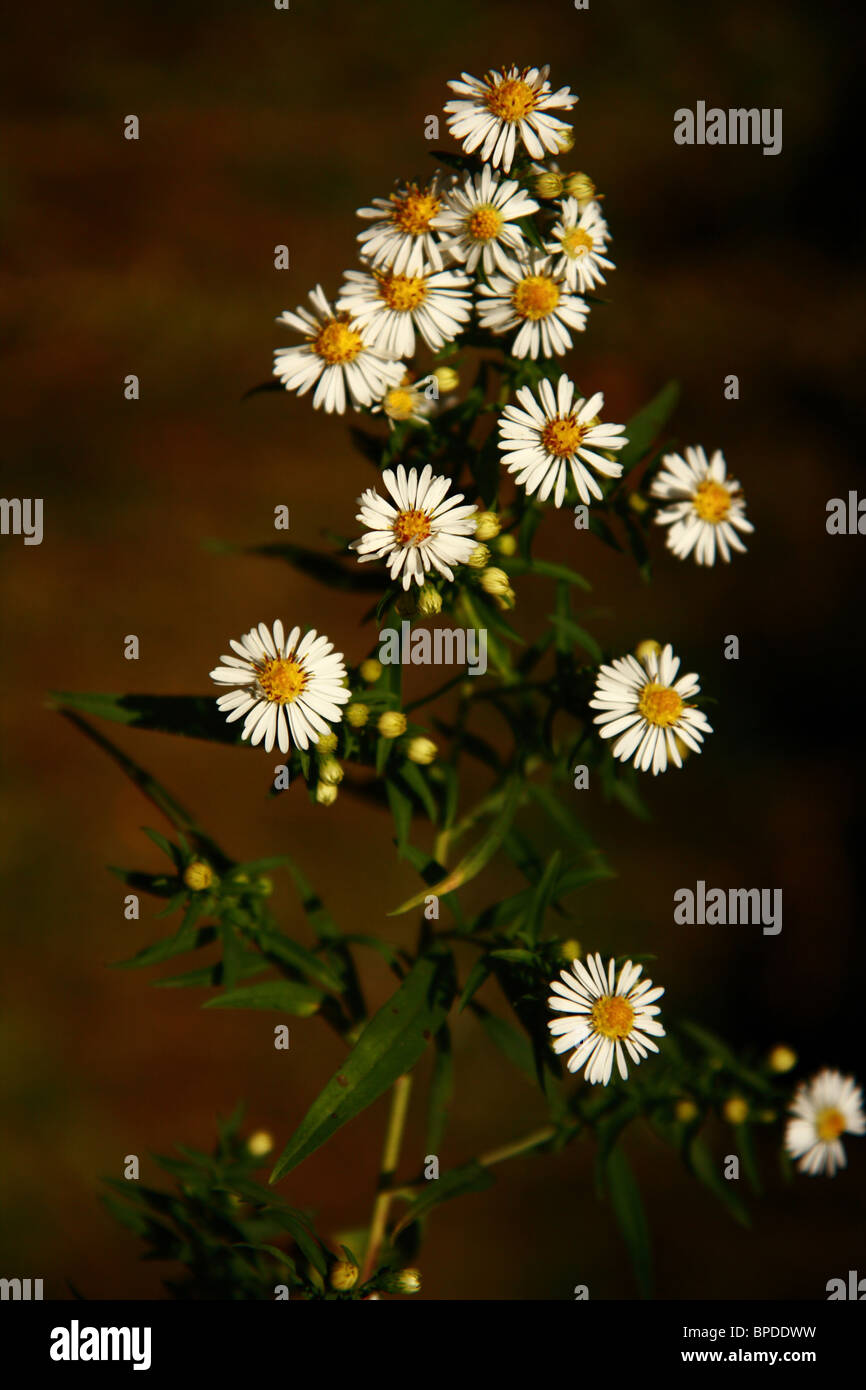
260,127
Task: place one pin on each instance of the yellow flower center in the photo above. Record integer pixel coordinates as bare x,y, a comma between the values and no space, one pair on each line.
712,501
660,705
485,223
535,297
281,679
411,528
399,403
414,210
511,100
830,1123
402,292
576,242
337,342
562,436
612,1016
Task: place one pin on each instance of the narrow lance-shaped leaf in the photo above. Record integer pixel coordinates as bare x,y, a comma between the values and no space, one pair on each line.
390,1045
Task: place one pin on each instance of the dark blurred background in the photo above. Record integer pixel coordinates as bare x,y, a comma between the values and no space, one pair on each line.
155,257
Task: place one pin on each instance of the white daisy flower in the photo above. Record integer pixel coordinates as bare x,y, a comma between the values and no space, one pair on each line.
554,433
605,1017
337,358
644,707
402,237
479,221
289,688
705,510
391,307
408,401
823,1109
578,240
424,531
495,111
530,296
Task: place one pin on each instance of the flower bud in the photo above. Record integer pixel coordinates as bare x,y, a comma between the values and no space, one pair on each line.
370,670
446,379
343,1276
487,525
782,1059
330,772
735,1110
564,140
402,1281
479,557
327,743
494,581
638,503
198,876
326,794
685,1111
506,545
392,723
260,1143
581,187
422,750
548,185
357,715
429,601
264,886
646,648
570,950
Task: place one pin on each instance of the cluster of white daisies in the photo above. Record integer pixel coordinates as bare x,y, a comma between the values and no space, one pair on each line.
604,1017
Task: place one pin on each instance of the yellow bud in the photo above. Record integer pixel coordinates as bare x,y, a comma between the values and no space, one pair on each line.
548,185
402,1281
479,557
685,1111
487,525
327,743
392,723
494,581
429,601
371,670
422,750
570,950
198,876
505,602
326,794
264,886
507,545
447,379
782,1058
357,715
735,1110
564,140
638,503
330,772
260,1143
581,187
646,648
344,1276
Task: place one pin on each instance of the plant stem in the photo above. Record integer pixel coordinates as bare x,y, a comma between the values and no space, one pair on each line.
390,1159
517,1146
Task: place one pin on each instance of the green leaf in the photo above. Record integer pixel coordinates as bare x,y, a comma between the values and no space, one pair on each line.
325,568
477,857
513,1044
284,996
643,427
390,1045
541,897
578,636
194,716
401,809
474,980
471,1177
274,943
703,1165
628,1210
189,937
441,1090
547,569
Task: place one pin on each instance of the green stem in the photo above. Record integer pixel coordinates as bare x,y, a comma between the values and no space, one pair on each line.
390,1159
